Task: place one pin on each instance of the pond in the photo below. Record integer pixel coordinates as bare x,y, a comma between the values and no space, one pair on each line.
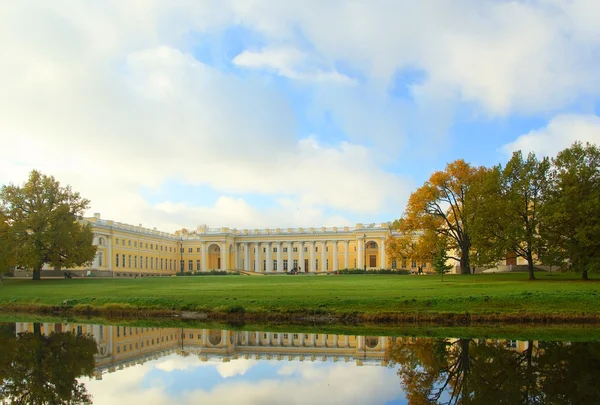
54,363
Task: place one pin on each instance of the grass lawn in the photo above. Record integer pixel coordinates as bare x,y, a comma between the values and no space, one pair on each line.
558,294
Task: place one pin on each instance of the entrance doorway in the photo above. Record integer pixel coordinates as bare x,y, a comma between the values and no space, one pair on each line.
372,261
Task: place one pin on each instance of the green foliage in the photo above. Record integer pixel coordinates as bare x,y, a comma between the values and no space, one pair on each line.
572,210
509,201
42,220
440,260
208,273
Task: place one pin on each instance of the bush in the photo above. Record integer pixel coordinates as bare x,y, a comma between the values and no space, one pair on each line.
380,271
208,273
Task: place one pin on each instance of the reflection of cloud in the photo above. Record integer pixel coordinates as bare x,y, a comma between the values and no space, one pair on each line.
229,369
235,367
315,383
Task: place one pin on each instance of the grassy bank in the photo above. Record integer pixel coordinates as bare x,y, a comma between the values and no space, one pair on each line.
491,297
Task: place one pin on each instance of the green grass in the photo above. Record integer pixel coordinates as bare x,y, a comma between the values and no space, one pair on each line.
556,294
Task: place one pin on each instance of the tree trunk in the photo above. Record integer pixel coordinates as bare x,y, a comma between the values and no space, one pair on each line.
465,265
584,275
530,266
37,273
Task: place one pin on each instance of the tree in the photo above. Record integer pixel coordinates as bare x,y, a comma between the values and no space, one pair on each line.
440,261
7,245
508,212
44,369
572,210
441,206
415,246
44,223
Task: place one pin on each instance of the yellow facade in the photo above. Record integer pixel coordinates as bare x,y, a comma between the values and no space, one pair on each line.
134,251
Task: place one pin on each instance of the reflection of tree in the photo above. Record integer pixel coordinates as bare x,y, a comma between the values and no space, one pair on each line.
466,371
44,369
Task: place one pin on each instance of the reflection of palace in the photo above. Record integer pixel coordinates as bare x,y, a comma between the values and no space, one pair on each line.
124,346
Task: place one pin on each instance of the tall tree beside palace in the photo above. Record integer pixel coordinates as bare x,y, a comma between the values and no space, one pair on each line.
572,210
509,210
7,245
43,218
443,206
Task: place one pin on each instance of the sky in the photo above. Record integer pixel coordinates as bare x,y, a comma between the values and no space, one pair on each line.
273,114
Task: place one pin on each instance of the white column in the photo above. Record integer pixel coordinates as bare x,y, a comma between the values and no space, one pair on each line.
334,260
311,260
269,260
324,256
109,259
346,253
290,255
382,264
236,256
359,253
301,339
223,255
301,255
312,340
246,256
257,255
204,257
279,257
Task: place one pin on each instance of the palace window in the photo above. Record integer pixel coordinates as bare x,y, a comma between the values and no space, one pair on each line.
316,264
100,257
295,336
393,263
123,242
151,246
285,250
316,248
275,265
285,335
327,248
190,250
413,264
181,264
285,265
123,257
147,262
294,249
197,265
161,264
197,250
264,250
190,265
135,261
295,263
274,250
129,262
129,242
146,245
306,249
101,241
264,265
117,241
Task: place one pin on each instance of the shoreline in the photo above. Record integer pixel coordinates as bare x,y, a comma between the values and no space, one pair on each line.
240,316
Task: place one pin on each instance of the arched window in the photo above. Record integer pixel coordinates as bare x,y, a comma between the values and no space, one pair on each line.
101,241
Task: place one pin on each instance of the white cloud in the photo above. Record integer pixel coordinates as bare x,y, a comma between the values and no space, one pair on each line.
110,99
290,63
559,134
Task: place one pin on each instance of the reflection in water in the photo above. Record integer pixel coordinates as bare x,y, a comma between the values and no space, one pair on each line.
156,366
43,369
473,371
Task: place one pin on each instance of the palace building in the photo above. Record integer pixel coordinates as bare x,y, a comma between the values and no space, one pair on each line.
128,250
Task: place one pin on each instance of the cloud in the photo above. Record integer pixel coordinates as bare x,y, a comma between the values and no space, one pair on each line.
560,133
290,63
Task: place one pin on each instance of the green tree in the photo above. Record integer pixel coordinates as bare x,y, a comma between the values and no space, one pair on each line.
44,223
440,261
441,205
7,245
572,210
509,210
44,369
